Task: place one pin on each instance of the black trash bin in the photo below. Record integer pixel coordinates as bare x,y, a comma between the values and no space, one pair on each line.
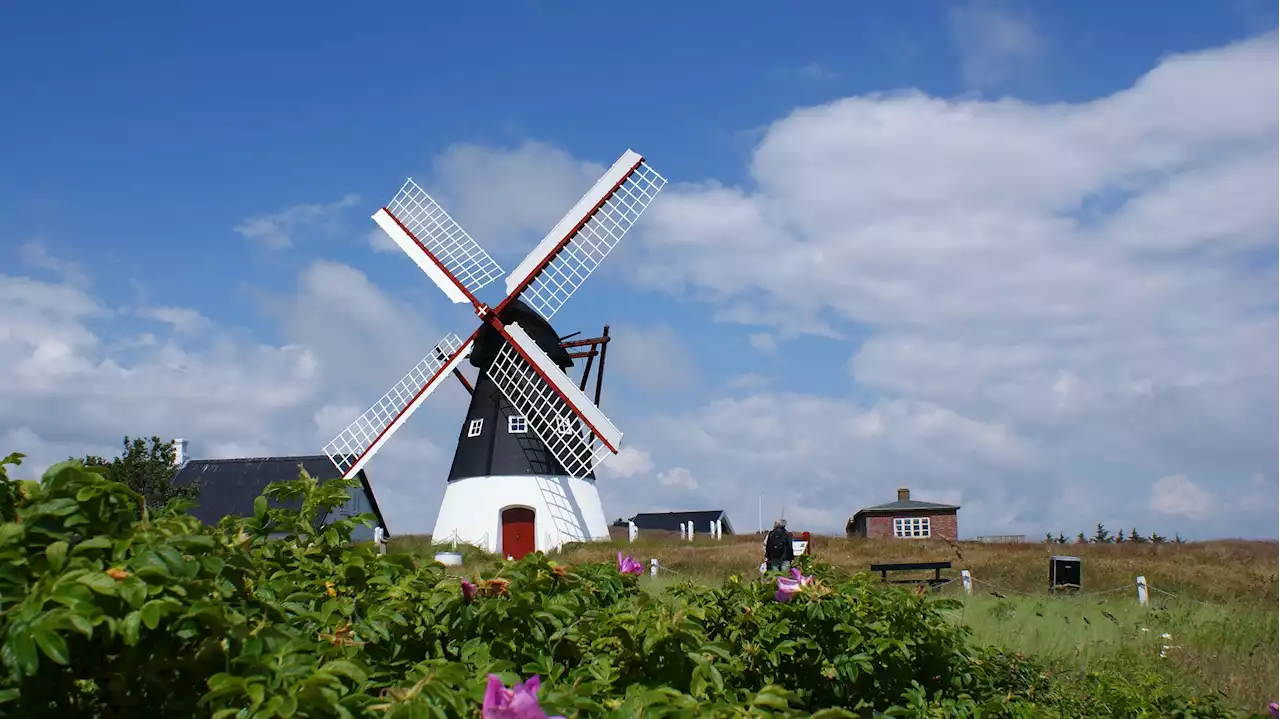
1064,574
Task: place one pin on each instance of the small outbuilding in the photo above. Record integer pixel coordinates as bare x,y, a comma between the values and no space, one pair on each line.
906,518
671,521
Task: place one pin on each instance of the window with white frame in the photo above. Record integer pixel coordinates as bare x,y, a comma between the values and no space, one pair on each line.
910,527
516,424
473,429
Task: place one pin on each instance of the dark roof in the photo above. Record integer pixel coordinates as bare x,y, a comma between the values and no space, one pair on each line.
670,521
229,486
907,505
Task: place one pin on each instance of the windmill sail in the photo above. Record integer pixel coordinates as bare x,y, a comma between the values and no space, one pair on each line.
436,243
356,445
580,241
573,428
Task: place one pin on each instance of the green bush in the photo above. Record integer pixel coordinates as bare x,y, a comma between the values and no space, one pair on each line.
107,610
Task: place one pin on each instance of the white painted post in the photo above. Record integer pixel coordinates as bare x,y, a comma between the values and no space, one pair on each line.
653,567
691,530
1142,590
682,531
711,528
631,532
967,580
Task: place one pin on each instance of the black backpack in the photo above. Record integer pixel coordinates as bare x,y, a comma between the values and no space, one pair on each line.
776,545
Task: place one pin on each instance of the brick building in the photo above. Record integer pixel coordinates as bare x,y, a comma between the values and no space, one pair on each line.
906,518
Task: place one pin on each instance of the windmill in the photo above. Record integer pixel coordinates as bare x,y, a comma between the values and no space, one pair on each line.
523,474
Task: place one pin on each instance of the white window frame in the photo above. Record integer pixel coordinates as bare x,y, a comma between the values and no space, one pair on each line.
912,528
517,424
475,428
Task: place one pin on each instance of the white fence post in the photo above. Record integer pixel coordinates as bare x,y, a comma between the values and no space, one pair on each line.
967,580
711,528
653,567
682,530
719,529
631,532
1142,590
691,530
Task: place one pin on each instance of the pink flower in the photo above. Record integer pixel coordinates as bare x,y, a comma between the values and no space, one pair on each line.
518,702
628,565
1275,709
789,587
468,590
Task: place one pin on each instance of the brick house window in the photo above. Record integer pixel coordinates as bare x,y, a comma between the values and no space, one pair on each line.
910,527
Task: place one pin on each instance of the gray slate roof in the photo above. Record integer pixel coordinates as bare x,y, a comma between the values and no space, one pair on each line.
670,521
229,486
906,506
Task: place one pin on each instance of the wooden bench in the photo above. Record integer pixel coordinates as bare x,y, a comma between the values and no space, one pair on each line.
937,568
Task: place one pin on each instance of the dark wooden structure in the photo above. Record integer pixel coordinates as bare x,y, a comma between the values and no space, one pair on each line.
937,568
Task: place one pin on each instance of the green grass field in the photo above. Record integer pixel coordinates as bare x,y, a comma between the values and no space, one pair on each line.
1217,601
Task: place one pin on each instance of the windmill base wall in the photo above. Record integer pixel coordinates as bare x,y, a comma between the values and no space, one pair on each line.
566,509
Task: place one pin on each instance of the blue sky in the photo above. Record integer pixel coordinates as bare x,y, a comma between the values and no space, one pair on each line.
140,138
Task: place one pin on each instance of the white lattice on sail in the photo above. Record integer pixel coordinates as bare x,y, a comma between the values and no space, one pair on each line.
438,232
556,422
355,445
578,255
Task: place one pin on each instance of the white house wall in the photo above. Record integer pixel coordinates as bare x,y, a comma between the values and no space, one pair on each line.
566,509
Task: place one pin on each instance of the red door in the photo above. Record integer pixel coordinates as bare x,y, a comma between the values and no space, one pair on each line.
517,532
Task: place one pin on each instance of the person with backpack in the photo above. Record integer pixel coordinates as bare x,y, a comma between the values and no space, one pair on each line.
778,552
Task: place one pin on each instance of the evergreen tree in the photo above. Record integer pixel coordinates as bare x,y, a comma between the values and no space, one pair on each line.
1101,535
1081,539
1135,537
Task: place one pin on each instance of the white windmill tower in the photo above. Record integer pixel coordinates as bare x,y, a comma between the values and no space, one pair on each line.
523,475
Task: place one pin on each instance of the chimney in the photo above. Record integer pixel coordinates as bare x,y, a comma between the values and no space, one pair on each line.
904,494
180,456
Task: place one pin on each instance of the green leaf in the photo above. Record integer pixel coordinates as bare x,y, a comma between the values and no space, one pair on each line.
52,644
133,591
56,554
91,543
260,508
344,668
152,612
99,582
19,651
131,628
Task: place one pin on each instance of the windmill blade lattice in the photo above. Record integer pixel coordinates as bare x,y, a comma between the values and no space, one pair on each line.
443,237
567,256
573,429
356,444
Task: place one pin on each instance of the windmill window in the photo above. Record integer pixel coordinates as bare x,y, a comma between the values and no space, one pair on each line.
516,424
473,429
911,527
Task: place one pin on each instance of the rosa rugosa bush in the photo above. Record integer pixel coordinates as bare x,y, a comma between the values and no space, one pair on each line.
110,609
